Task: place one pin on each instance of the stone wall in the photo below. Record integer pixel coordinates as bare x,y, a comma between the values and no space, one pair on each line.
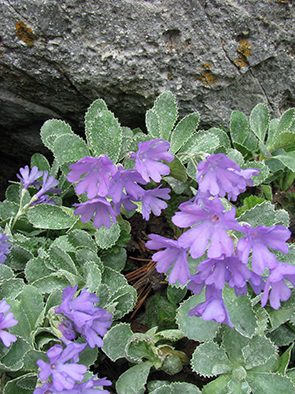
56,57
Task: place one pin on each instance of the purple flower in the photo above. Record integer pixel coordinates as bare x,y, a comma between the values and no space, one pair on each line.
211,224
147,156
79,388
173,254
151,201
6,321
259,239
64,375
125,179
100,208
279,289
89,320
28,178
97,178
220,175
213,308
4,247
48,186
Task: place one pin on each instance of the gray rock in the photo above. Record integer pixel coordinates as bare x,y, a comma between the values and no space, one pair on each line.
216,56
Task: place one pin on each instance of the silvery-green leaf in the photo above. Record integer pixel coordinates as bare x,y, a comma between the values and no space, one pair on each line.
107,237
40,161
286,121
104,135
61,260
82,238
183,131
288,159
198,144
53,128
11,288
222,136
240,312
166,108
263,213
272,133
31,302
95,108
127,136
69,148
209,360
263,174
258,351
236,156
116,261
133,380
84,254
239,127
218,385
270,383
92,276
177,170
51,282
258,120
13,359
21,385
115,340
51,217
152,122
194,327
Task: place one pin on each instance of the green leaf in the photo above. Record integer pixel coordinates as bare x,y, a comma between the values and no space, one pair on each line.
88,356
209,360
41,162
115,340
51,129
166,108
92,276
133,380
234,343
269,383
286,121
152,122
107,237
236,156
18,257
218,386
36,269
116,261
51,282
13,359
6,272
123,301
194,327
127,136
51,217
258,351
177,170
264,213
31,358
22,385
222,136
8,209
284,360
84,254
183,131
61,260
288,159
11,288
197,144
240,311
258,120
104,135
239,128
93,112
31,303
69,148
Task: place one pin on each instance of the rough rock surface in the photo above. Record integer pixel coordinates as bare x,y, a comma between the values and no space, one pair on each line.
56,57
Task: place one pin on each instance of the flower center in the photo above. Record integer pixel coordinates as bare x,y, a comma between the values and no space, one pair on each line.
215,218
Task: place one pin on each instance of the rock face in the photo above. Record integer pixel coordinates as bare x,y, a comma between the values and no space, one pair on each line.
216,55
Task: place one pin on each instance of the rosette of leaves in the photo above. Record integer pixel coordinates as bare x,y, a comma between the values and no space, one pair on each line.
145,350
272,142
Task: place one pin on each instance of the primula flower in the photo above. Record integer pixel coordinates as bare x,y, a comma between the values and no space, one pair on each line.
220,175
259,239
4,246
279,289
125,179
79,388
173,253
89,320
6,321
147,156
151,201
29,178
64,376
48,186
97,178
211,224
213,308
218,272
100,208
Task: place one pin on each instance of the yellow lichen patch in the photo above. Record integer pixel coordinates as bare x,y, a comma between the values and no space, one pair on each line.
244,51
25,33
206,77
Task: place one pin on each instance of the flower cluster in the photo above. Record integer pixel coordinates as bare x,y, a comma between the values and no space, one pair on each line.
104,182
6,321
65,374
211,229
79,315
48,184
